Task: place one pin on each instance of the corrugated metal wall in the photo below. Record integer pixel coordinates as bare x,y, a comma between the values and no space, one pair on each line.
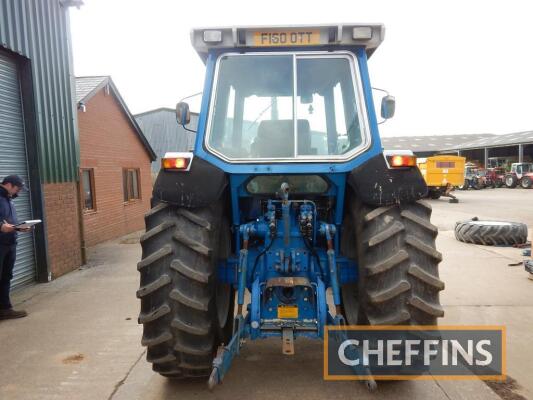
13,160
39,30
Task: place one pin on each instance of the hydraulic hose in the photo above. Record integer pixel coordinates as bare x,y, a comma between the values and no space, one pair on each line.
261,254
314,253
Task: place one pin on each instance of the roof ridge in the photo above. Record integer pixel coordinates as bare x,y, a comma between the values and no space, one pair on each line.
154,110
160,109
93,76
517,133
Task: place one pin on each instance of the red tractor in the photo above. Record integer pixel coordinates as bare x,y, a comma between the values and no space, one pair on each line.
496,176
521,174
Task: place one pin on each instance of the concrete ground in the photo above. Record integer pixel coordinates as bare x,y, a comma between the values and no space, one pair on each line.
81,339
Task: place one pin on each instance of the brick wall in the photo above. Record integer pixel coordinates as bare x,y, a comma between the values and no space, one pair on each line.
108,143
63,229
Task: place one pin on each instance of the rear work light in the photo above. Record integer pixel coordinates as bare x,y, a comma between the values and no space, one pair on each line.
400,159
177,161
212,36
362,33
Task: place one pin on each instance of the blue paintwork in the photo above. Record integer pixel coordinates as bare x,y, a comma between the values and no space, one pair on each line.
293,168
272,238
283,252
255,310
222,362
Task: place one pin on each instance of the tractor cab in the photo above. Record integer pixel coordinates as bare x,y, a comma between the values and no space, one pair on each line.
287,95
520,174
521,168
288,194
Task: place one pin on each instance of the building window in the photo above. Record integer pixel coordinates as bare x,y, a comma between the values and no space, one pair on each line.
130,182
87,187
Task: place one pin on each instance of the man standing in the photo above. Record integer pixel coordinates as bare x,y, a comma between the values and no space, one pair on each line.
9,189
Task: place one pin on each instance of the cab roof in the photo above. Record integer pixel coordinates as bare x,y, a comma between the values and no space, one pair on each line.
257,37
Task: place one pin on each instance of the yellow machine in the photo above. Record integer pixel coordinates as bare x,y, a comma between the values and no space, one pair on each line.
442,174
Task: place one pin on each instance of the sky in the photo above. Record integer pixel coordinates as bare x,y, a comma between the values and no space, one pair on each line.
454,67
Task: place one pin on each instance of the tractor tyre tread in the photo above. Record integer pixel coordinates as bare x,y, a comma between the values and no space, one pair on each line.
493,234
178,289
398,275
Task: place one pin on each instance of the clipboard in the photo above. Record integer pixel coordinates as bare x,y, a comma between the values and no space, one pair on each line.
28,224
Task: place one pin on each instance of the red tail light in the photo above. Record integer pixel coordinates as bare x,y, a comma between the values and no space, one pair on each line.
399,161
177,161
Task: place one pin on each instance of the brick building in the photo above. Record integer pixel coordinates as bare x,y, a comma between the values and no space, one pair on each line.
115,159
39,140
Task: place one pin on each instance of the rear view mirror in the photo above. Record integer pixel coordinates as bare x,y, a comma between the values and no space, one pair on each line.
183,115
388,106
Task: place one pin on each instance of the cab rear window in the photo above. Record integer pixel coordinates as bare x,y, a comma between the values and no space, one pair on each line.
285,106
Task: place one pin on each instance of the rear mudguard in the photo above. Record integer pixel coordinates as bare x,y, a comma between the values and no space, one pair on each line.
378,185
373,182
201,186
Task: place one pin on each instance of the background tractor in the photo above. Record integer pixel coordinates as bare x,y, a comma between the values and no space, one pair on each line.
287,194
473,178
496,176
520,174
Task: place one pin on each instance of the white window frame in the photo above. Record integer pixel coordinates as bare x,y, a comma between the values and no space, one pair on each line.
361,110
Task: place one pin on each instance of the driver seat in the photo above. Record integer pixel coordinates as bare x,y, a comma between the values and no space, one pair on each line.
275,139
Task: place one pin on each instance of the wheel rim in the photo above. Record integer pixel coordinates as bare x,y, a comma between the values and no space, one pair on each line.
222,298
526,183
351,306
223,291
509,181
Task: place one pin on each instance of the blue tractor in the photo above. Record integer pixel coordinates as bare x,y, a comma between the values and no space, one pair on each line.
287,198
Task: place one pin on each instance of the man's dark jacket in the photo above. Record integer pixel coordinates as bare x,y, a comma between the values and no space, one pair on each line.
8,214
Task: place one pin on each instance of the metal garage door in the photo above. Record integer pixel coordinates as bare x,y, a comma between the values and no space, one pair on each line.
13,160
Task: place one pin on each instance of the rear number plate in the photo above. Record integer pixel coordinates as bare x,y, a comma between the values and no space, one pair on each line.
287,38
287,311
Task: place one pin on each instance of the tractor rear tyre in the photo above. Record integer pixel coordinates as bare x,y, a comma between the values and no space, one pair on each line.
510,181
525,182
185,312
491,232
398,266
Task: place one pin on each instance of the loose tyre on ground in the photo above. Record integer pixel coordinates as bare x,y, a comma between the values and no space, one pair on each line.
491,232
184,312
398,267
